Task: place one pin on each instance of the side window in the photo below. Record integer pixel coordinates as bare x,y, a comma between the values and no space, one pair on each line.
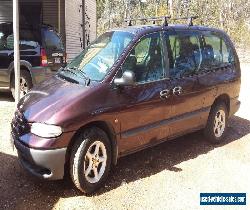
2,41
184,54
10,42
52,40
146,60
215,52
142,49
5,37
27,40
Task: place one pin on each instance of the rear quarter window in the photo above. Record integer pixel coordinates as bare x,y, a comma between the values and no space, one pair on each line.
216,51
28,40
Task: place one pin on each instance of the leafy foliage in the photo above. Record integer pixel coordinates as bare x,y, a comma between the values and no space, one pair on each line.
233,16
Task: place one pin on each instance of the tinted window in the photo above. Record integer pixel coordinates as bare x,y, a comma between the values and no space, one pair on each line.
52,40
215,52
2,41
27,40
184,54
5,31
146,60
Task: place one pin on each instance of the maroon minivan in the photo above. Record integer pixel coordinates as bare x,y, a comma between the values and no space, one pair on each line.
132,88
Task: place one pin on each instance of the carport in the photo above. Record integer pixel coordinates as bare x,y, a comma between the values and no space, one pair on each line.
74,20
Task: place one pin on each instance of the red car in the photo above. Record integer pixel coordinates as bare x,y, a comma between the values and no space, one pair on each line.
131,89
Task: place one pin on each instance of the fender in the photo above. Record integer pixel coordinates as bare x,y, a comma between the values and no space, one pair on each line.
23,63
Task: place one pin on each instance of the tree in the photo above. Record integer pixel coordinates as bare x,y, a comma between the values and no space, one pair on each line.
229,15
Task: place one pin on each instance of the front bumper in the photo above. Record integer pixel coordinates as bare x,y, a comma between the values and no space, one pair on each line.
234,106
46,164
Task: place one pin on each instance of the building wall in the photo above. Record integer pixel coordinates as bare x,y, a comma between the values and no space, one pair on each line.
5,11
51,17
74,32
49,10
74,25
91,20
71,21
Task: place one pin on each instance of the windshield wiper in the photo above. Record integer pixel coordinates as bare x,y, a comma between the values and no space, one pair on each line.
70,71
82,74
69,79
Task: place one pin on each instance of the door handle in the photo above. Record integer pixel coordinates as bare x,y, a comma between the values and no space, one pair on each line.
165,94
177,91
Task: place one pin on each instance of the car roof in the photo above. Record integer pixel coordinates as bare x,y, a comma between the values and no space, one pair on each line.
143,29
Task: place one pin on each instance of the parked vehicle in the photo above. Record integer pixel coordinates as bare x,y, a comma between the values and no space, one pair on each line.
41,54
131,89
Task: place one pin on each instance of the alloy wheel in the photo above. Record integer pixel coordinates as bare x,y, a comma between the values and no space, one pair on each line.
219,123
95,162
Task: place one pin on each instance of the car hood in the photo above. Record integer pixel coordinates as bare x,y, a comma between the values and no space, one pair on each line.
50,100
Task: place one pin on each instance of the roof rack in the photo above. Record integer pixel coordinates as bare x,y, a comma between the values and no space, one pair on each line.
190,19
164,18
145,19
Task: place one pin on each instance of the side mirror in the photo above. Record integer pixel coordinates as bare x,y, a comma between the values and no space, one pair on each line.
128,78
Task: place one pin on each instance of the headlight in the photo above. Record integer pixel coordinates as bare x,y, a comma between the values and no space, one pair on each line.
45,131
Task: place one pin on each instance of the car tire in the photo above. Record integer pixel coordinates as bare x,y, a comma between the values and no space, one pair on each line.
217,123
90,160
25,83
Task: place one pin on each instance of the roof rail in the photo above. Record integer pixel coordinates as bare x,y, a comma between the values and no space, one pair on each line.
145,19
164,18
190,19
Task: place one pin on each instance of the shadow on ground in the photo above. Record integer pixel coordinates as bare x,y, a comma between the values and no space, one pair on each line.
6,96
21,191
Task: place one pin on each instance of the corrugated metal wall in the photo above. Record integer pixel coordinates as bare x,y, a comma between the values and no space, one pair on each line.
5,11
50,12
74,32
90,28
70,24
50,15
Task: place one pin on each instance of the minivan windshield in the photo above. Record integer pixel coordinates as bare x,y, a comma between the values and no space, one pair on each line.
96,60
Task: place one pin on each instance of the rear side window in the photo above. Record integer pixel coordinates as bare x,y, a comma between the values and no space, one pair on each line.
184,53
28,40
52,40
5,32
216,52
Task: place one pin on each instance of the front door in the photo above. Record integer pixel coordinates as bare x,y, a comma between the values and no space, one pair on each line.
184,55
144,106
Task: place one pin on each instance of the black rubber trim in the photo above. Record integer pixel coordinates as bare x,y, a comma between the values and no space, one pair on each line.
135,131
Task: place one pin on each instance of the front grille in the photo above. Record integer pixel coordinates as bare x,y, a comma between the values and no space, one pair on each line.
19,125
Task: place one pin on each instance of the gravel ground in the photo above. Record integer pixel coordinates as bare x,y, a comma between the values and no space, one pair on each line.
168,176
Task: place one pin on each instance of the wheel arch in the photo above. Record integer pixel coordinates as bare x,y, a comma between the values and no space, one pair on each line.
107,128
24,65
223,98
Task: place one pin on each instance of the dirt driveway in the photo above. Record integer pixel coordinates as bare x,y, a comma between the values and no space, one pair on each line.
168,176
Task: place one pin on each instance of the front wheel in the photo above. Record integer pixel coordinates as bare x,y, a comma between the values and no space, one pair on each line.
90,160
217,123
